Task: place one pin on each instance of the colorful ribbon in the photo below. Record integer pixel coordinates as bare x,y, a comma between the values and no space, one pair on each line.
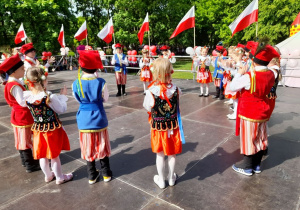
180,122
79,85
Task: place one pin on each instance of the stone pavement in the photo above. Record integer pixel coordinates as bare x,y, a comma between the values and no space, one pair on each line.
204,167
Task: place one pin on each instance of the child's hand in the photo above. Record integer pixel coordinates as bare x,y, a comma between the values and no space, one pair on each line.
51,60
63,91
37,62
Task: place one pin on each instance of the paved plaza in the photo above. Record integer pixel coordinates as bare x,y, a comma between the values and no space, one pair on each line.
206,179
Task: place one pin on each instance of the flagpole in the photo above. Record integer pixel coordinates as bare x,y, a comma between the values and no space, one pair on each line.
149,37
194,36
114,38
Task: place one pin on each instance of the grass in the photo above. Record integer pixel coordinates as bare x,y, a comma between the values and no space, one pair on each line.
182,64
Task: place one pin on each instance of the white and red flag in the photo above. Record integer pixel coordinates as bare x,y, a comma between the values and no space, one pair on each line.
246,18
107,32
21,35
82,32
143,29
61,37
188,21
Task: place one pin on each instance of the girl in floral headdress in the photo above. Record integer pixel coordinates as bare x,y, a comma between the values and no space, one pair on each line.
162,103
203,74
49,137
145,63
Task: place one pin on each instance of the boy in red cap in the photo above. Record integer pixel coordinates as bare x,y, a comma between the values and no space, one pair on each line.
120,61
21,118
92,122
29,51
218,73
253,108
166,53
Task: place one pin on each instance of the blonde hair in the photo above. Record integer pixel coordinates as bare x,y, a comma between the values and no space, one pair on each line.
36,75
276,61
162,70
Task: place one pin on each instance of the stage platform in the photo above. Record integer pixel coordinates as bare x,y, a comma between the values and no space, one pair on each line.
206,179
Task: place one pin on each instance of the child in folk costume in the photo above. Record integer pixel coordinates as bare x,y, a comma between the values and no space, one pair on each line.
203,74
49,136
166,53
253,108
92,122
162,103
29,51
238,63
145,63
218,73
21,119
120,61
249,55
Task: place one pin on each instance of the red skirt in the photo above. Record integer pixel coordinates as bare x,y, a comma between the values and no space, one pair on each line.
49,144
22,137
231,94
94,145
253,137
170,145
204,76
146,74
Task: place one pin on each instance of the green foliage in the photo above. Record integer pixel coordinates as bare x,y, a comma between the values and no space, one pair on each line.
43,18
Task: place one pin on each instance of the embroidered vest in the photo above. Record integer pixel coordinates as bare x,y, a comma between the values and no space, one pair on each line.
45,119
163,116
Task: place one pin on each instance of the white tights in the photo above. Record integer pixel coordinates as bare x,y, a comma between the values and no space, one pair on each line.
160,165
55,165
206,88
145,86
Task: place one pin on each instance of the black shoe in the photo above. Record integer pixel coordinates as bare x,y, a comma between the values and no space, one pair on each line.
33,169
118,95
221,97
215,97
206,95
200,95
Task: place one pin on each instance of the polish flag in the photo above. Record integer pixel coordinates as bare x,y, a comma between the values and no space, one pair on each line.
246,18
143,29
61,37
107,32
21,35
82,32
188,21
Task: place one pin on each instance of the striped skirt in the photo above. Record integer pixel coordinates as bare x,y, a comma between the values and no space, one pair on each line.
23,137
94,145
253,137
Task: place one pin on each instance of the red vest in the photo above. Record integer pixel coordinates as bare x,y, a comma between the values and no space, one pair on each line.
255,106
20,116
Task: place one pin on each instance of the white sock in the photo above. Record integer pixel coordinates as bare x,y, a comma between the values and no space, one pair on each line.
207,89
201,89
235,103
230,100
44,163
144,84
160,165
171,163
56,168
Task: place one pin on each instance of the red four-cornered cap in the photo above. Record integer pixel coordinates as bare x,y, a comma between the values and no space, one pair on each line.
249,46
266,55
26,48
90,59
165,47
240,45
118,45
10,65
219,48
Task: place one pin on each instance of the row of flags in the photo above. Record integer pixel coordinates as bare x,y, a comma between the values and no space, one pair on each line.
246,18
